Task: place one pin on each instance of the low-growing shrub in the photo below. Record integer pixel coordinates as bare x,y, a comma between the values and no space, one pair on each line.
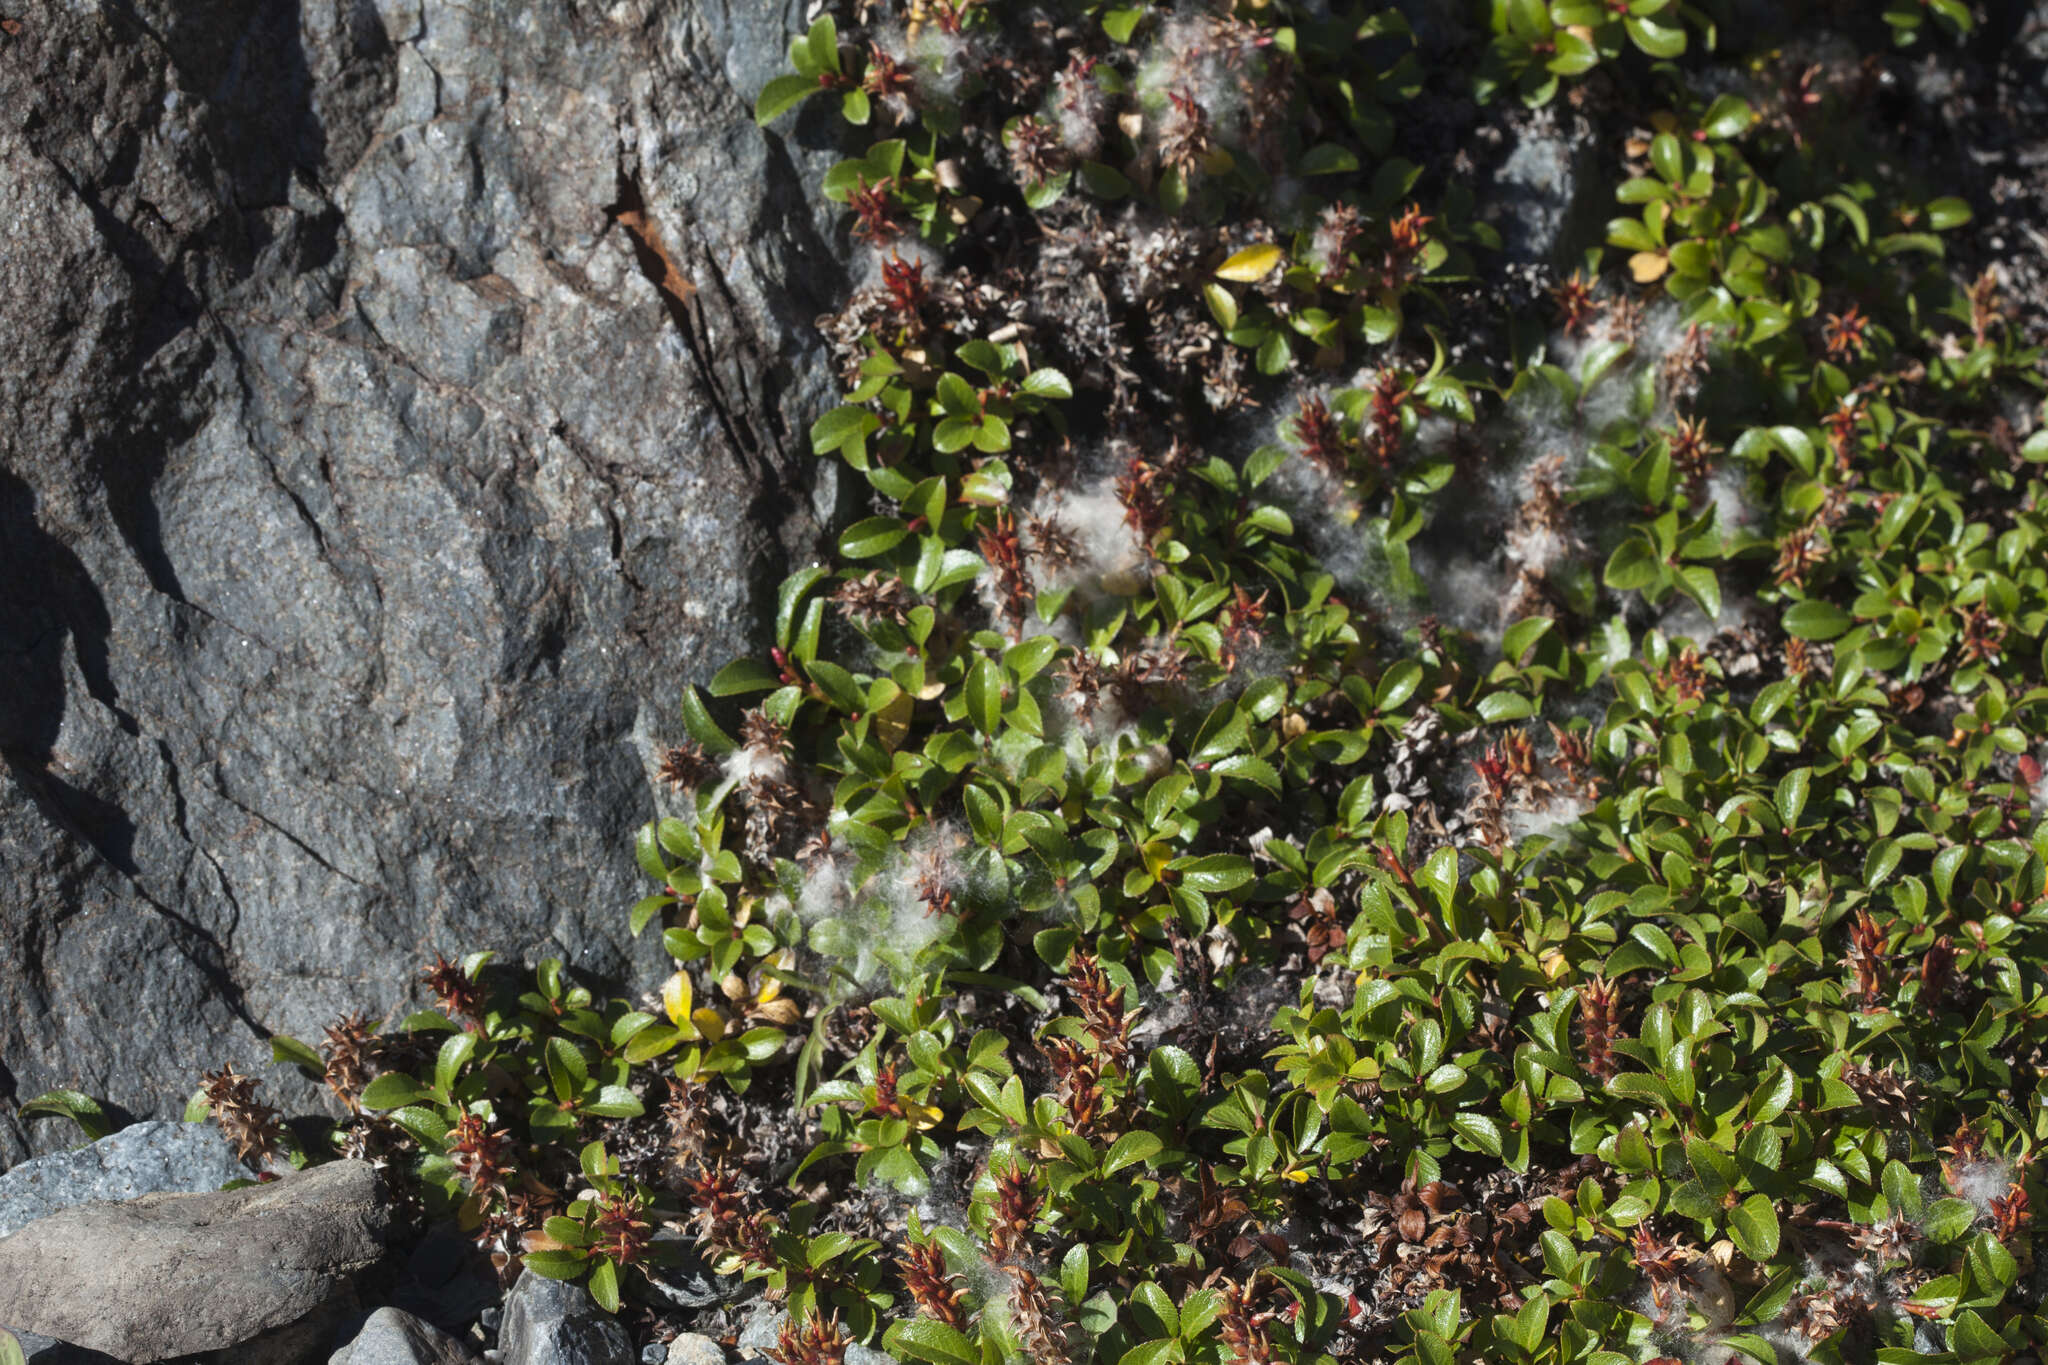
1326,808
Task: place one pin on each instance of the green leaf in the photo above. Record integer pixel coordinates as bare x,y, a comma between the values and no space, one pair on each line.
1154,1310
1519,637
956,396
1440,875
742,676
1947,213
81,1108
1224,731
556,1265
1214,872
1728,116
1902,1188
1950,1220
1048,383
1817,620
1633,566
841,427
1130,1149
871,537
1700,584
1444,1079
1482,1132
1200,1308
1791,795
984,695
425,1124
1074,1273
781,95
1119,24
1153,1353
1973,1339
1754,1227
1499,706
823,41
10,1349
1327,158
699,725
567,1071
1245,768
1668,157
1104,182
929,1339
454,1054
615,1102
1659,40
296,1053
1397,685
391,1090
604,1286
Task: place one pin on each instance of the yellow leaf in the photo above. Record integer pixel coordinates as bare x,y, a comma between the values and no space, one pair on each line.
709,1022
892,722
1253,263
676,998
1647,266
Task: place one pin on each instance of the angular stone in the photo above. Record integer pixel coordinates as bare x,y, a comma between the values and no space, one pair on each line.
173,1274
692,1349
552,1322
689,1281
143,1158
394,1337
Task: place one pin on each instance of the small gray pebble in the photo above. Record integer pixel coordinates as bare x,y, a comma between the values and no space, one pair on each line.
692,1349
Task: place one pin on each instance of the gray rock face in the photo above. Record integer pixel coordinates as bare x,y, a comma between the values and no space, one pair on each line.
266,1269
549,1322
362,503
394,1337
144,1158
